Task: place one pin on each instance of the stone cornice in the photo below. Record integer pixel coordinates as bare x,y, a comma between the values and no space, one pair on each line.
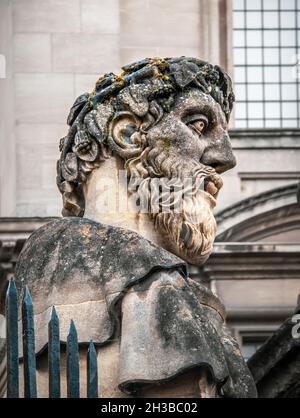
258,199
250,139
13,234
20,227
253,261
264,133
234,221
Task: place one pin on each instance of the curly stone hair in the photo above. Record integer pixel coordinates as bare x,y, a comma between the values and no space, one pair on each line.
146,89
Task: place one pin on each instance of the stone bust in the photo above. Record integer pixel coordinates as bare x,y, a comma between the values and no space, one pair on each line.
151,116
122,274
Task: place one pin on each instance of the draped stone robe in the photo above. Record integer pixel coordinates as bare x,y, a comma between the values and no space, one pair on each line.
123,290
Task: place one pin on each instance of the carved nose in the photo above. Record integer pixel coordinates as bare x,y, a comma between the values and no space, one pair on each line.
219,156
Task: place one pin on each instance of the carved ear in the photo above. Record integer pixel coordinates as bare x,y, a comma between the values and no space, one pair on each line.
124,136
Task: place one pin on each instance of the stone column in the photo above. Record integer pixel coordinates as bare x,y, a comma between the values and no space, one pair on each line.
216,32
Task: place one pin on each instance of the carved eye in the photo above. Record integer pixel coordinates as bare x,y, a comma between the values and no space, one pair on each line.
198,123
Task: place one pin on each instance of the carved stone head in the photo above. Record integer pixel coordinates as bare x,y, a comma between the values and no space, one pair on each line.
166,119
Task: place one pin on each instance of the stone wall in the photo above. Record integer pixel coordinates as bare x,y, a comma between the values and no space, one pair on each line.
58,49
7,134
55,50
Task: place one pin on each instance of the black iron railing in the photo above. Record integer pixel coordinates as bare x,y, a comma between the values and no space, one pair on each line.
29,358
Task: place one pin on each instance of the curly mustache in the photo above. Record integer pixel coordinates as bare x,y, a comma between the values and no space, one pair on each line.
171,190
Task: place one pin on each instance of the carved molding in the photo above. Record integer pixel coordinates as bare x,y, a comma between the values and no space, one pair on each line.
235,221
269,175
266,139
13,234
264,133
266,225
253,261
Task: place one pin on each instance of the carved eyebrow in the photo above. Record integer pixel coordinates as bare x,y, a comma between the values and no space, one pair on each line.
192,110
204,109
193,117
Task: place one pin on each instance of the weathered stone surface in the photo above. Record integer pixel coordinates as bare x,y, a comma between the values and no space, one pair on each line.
86,268
160,119
146,116
276,365
97,264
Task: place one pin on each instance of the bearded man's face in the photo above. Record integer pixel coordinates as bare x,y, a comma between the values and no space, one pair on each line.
165,120
188,147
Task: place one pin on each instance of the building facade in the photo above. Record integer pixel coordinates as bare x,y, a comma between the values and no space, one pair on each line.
55,50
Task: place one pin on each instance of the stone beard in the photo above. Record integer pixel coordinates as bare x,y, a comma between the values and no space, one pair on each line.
178,203
123,279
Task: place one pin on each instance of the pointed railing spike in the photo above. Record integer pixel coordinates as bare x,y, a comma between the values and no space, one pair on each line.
54,355
73,388
92,372
28,346
12,349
